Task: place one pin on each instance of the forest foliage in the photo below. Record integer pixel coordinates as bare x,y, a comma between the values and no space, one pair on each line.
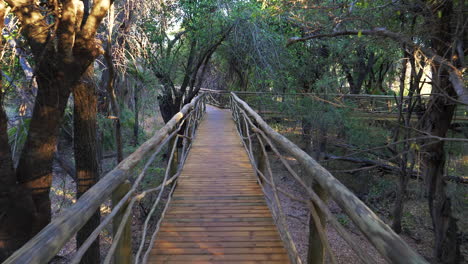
116,67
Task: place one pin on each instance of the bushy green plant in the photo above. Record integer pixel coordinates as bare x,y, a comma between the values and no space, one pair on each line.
379,188
17,134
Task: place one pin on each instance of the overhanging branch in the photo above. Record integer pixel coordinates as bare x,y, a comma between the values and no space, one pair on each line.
456,74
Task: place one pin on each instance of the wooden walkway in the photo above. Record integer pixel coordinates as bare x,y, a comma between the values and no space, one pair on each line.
218,213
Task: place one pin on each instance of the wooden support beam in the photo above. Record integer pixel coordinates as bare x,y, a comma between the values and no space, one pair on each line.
316,252
261,161
123,253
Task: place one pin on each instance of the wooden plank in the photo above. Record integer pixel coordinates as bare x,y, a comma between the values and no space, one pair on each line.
229,224
218,251
215,216
221,228
256,197
218,193
218,239
218,213
224,204
219,262
219,233
233,206
231,220
222,244
214,257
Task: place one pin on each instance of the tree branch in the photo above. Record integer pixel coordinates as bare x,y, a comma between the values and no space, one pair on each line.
390,167
98,12
34,27
66,29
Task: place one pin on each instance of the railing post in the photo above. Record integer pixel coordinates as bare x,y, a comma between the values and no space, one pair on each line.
123,252
316,253
243,127
175,160
261,161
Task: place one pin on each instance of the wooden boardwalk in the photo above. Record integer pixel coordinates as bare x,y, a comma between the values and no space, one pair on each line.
218,213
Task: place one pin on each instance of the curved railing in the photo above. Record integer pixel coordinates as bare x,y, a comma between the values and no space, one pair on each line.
175,135
256,135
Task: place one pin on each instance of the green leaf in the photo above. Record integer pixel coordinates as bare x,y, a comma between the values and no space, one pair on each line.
415,146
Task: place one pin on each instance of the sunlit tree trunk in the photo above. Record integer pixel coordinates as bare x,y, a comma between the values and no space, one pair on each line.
85,148
34,170
61,57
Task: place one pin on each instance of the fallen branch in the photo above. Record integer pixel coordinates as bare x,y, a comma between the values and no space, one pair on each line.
391,168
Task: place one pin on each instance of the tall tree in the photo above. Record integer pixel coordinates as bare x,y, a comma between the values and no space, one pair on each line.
447,32
180,61
85,150
441,37
61,36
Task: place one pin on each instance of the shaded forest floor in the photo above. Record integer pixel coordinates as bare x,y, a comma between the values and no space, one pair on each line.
377,189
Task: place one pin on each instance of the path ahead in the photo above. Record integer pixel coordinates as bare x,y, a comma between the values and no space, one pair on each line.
218,213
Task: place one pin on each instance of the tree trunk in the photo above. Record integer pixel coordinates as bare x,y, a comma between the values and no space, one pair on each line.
437,122
136,126
168,106
85,148
307,134
16,206
353,89
61,56
399,202
113,100
445,228
403,177
35,165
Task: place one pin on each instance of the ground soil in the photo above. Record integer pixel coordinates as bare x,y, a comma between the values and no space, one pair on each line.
376,189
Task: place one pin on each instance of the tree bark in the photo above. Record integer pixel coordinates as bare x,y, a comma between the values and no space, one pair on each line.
85,149
113,100
403,177
34,171
307,134
136,126
61,56
16,205
169,105
437,122
445,228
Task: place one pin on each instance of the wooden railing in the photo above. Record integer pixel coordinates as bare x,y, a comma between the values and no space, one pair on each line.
256,135
364,106
176,135
318,185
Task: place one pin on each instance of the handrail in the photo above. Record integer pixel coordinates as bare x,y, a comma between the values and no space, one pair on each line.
387,242
44,246
375,96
